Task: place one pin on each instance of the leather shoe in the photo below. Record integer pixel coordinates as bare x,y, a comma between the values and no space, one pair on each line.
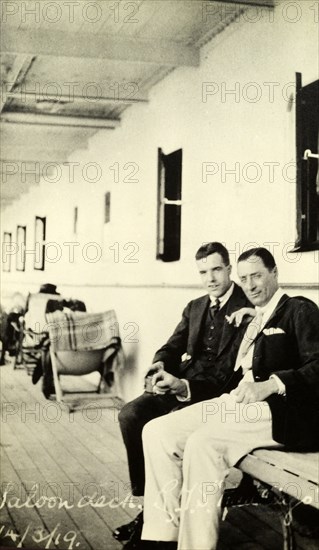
37,373
135,542
126,531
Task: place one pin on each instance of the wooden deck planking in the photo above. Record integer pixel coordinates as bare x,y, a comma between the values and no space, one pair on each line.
272,519
262,533
6,524
105,468
27,478
72,519
106,430
25,522
48,447
73,453
232,537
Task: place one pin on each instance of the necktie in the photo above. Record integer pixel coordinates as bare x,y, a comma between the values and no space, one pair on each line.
250,336
215,307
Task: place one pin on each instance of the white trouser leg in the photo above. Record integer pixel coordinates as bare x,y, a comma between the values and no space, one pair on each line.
204,471
163,441
215,434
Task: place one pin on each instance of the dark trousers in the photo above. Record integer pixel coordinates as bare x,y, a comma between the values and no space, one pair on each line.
133,417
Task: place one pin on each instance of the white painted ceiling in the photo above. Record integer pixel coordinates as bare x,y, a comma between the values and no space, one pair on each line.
71,68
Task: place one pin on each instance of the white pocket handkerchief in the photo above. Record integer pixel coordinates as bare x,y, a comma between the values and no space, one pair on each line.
273,330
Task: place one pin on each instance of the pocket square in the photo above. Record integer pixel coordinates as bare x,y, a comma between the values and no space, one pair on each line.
273,330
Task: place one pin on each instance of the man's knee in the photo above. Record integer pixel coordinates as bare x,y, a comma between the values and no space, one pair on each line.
197,442
127,415
153,430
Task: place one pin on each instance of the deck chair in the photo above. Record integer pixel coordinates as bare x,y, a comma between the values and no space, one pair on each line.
82,343
33,336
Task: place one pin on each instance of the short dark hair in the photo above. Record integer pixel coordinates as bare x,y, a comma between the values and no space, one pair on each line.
212,248
260,252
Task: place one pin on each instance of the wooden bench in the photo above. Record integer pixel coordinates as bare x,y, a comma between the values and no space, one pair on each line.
291,476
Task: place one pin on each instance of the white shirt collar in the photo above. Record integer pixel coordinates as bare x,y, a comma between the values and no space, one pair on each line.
269,308
224,298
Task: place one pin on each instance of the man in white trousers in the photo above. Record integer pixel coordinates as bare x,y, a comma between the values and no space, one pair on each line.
188,453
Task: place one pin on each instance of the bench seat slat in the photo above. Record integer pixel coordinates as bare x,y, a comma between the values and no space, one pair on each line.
295,473
305,465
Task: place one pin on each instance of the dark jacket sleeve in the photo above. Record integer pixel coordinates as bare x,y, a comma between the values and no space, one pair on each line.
296,362
305,324
171,353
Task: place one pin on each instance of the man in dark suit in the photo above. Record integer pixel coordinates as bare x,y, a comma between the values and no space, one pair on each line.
209,344
188,454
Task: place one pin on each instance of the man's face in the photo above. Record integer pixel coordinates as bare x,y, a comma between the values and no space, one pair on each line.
215,274
257,281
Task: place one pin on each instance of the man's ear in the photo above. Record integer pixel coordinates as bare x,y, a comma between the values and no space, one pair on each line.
229,268
275,271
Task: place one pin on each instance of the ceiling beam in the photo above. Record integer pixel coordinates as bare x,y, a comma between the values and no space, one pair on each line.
66,99
57,120
39,135
19,69
92,46
258,3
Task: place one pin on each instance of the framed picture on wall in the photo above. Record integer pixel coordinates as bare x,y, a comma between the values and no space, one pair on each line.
7,247
21,242
39,242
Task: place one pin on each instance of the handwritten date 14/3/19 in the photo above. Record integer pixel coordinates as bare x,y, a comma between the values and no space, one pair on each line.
40,536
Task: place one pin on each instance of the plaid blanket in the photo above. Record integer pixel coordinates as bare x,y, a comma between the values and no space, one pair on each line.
82,331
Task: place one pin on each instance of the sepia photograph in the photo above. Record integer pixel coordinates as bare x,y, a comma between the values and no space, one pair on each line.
159,359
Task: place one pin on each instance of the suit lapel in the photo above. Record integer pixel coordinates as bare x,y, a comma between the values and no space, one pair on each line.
281,302
269,323
198,316
235,302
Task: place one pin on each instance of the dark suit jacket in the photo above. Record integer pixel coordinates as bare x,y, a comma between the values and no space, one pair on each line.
187,336
292,352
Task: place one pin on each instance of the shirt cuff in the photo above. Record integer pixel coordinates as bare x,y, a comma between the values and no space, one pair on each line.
280,384
188,396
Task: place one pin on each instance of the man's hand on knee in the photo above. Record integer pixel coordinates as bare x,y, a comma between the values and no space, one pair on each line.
163,382
155,367
148,379
251,392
